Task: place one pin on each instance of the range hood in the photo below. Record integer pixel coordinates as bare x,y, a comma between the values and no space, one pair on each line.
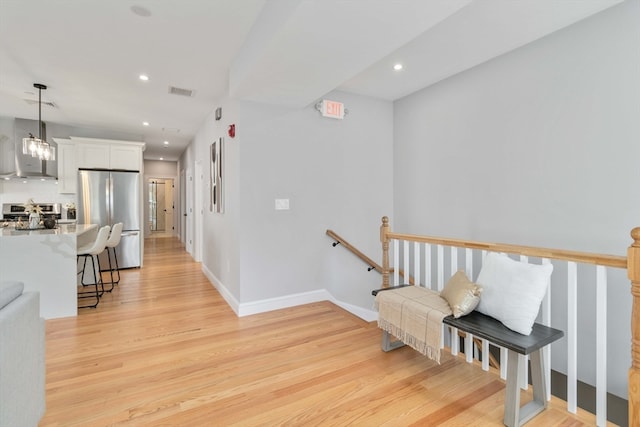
14,164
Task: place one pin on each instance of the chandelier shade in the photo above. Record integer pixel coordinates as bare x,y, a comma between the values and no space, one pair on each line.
38,147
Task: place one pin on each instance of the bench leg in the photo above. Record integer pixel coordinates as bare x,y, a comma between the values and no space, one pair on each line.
514,415
387,344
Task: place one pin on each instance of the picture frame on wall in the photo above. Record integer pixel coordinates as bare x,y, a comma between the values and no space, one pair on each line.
216,176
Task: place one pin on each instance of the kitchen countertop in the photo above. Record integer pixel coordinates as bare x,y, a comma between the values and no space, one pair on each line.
61,229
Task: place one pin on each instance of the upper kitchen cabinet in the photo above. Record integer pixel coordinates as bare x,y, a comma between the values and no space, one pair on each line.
67,166
89,153
108,154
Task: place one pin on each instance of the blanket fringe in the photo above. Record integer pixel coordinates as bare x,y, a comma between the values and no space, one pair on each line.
413,342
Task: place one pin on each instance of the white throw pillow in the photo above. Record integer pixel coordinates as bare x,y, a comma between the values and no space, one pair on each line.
512,290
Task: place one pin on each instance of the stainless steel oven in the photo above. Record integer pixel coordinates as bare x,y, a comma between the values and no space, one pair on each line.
15,211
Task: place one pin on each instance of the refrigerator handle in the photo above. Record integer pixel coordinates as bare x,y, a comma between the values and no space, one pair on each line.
109,200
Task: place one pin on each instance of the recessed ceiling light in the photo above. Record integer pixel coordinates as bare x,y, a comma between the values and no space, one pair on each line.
161,158
144,77
397,67
166,143
145,123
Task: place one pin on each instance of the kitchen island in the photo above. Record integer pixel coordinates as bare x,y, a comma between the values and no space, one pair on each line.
45,261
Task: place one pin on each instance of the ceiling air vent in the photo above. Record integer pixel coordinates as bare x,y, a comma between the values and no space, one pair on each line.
180,91
35,101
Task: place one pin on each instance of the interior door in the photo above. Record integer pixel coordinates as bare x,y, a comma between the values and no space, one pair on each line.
183,207
169,205
189,212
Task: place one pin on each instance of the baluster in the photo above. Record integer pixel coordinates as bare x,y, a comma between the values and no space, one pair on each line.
468,347
454,260
440,267
396,262
546,320
427,266
416,263
485,355
405,260
601,345
524,360
572,336
468,257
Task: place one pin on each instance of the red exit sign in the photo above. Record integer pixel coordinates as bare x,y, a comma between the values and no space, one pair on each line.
332,109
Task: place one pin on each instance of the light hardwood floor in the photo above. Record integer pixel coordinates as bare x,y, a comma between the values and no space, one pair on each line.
164,349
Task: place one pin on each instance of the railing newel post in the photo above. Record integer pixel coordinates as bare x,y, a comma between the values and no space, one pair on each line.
633,271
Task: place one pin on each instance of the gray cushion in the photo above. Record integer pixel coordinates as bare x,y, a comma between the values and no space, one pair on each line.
9,291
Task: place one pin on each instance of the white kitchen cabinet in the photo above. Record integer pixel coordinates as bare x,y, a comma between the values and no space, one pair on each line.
88,153
67,167
125,156
93,155
108,154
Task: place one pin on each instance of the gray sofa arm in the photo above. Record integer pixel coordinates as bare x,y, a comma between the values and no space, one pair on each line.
22,362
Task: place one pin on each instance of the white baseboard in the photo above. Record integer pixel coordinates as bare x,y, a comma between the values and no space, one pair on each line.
270,304
224,292
363,313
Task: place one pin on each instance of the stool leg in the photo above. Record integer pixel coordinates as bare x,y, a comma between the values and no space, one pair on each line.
97,293
111,269
105,270
84,267
115,257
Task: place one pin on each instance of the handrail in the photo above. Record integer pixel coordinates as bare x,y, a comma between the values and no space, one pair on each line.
372,264
559,254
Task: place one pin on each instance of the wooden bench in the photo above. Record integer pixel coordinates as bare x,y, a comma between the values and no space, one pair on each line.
494,331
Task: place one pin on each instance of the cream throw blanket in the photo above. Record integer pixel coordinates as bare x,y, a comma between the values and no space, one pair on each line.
414,316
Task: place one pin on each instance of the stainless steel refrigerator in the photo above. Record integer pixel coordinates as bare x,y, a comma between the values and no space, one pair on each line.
109,197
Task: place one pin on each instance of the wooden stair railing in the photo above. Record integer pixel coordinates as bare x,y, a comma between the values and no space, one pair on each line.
340,241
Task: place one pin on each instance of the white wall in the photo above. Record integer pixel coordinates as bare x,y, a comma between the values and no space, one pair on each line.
219,235
336,175
538,147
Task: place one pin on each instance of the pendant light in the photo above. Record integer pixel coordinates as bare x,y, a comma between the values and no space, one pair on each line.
38,147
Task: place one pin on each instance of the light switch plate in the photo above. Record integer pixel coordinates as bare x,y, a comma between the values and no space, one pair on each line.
282,204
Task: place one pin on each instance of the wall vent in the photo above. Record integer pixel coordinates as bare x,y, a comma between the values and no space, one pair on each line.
180,91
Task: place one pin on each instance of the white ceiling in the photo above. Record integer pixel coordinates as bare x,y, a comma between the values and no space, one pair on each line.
287,52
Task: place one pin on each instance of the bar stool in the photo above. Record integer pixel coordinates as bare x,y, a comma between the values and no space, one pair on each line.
112,242
92,250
